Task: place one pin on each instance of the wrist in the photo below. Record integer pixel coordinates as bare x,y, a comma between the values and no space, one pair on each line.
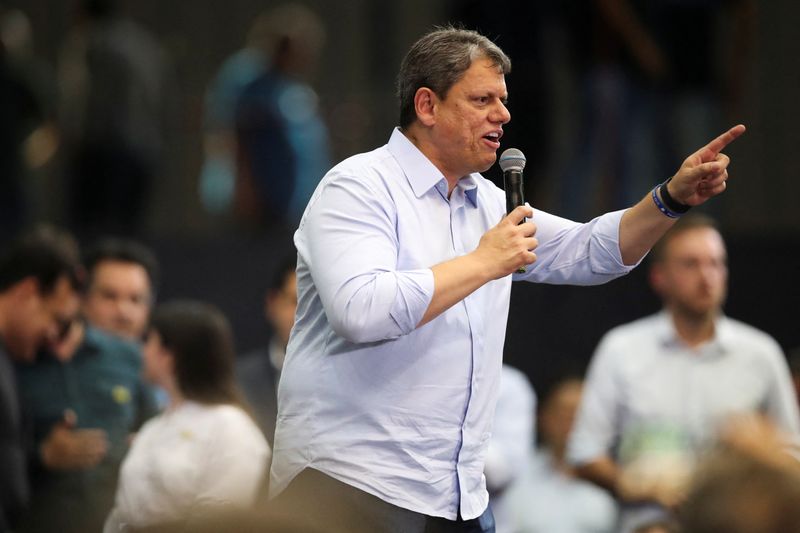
481,266
669,199
666,203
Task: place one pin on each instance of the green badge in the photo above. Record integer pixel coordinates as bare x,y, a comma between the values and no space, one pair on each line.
121,394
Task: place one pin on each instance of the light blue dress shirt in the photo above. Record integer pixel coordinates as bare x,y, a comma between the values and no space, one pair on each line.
367,397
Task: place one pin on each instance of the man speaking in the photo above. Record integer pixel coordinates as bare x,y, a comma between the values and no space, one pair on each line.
405,262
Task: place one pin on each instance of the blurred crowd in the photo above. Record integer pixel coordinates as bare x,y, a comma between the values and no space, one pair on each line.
98,111
122,413
119,412
85,140
614,93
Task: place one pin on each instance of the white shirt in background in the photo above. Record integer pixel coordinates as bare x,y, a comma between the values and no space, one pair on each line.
189,457
654,404
547,500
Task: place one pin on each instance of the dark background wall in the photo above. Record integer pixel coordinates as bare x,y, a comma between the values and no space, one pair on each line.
208,257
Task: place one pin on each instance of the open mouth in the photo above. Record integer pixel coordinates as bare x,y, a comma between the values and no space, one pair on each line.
493,139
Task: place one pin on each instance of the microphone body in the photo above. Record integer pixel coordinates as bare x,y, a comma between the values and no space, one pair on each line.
512,161
513,185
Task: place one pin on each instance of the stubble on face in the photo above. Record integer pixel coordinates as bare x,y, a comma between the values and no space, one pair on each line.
469,121
696,274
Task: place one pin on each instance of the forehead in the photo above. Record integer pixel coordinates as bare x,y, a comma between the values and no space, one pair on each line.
113,271
694,242
483,73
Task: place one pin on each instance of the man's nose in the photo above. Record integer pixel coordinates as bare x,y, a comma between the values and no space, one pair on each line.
501,114
122,305
709,273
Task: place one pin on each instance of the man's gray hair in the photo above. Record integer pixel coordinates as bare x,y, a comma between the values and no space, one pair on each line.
438,60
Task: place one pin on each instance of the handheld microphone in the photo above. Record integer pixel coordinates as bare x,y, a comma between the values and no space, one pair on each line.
512,161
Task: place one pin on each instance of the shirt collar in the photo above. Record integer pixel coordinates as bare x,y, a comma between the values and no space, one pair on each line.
423,175
470,186
723,340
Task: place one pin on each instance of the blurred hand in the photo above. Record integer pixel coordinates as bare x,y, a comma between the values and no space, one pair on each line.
509,245
704,173
67,448
663,480
755,435
64,346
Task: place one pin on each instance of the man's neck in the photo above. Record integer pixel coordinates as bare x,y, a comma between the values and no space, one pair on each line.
558,456
694,330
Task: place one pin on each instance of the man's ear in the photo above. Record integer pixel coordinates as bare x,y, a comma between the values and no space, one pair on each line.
656,278
425,101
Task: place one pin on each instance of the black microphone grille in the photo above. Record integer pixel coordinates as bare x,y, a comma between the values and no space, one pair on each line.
512,159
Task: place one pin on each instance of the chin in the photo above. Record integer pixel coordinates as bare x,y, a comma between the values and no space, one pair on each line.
702,312
486,165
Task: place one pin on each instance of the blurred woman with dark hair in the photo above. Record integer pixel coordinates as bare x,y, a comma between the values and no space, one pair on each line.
204,451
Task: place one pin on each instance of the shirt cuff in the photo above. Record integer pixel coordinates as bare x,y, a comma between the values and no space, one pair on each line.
413,296
606,235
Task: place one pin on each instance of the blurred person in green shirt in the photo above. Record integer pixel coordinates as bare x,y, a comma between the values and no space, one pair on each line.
85,396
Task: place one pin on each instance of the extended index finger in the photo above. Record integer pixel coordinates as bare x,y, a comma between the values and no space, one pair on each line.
718,144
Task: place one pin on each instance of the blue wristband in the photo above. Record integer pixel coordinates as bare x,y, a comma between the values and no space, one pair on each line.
660,205
671,203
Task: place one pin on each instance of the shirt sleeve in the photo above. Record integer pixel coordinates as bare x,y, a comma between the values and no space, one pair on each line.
577,254
595,430
348,239
781,402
